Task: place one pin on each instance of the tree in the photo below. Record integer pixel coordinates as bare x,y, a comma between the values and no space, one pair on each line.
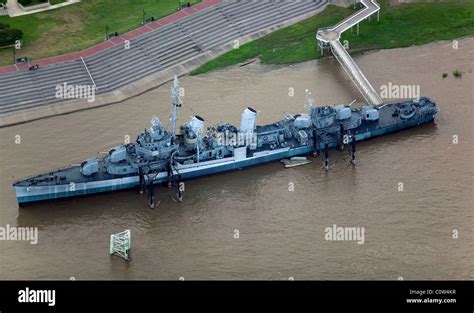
24,2
8,36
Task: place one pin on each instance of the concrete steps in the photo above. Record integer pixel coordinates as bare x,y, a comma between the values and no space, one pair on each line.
152,52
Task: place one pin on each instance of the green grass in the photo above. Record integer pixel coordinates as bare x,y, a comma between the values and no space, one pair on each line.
399,26
82,25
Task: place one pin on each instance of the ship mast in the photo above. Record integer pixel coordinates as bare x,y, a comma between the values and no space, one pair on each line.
176,104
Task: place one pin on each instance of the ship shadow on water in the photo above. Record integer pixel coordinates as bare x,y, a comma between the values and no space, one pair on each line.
130,205
68,210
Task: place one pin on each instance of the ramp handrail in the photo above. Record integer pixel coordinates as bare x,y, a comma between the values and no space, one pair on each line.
87,69
347,63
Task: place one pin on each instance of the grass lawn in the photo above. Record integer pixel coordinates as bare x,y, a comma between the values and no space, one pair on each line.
399,26
82,25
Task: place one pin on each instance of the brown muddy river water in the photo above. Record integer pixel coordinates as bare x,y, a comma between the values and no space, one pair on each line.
408,234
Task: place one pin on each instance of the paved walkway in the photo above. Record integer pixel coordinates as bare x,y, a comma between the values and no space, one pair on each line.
331,36
3,10
114,41
15,10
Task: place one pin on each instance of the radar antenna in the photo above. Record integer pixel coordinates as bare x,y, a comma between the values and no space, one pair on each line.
175,91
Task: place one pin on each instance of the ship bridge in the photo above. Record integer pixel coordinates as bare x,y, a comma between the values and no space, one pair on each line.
330,36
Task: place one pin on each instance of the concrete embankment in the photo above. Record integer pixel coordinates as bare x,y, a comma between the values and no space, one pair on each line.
143,85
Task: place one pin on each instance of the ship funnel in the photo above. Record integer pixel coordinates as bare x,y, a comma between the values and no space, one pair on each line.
196,124
248,121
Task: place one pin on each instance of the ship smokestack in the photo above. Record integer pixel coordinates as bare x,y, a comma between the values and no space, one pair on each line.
196,124
248,122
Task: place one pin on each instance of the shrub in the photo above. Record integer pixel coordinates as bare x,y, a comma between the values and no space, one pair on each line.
4,25
8,36
28,2
53,2
457,73
445,75
3,1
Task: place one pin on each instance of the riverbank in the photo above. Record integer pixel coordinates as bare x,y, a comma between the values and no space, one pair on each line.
399,26
82,25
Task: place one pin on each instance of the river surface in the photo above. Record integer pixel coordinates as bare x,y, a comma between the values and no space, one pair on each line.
281,233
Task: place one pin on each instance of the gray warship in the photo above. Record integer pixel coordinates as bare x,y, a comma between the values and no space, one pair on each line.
166,156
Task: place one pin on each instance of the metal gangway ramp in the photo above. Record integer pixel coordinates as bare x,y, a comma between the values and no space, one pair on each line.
330,37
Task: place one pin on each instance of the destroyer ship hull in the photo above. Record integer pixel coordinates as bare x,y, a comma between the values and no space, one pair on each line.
29,194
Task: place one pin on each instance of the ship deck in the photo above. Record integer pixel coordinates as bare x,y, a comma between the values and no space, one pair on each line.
64,176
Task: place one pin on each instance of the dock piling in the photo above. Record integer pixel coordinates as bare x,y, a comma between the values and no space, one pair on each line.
326,157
